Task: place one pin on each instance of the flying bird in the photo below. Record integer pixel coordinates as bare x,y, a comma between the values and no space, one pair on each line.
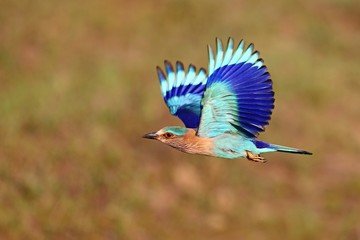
223,110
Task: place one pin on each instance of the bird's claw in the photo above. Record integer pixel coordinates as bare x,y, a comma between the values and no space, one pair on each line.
255,157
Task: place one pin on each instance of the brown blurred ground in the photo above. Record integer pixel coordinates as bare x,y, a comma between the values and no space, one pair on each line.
78,88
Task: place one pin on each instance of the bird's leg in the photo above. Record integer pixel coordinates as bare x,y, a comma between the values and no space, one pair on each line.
255,157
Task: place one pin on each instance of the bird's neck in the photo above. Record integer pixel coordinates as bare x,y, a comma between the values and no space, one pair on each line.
197,145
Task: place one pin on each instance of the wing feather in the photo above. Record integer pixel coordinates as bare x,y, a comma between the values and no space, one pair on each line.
238,97
182,91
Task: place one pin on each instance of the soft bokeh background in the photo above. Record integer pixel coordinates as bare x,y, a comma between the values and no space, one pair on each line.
78,89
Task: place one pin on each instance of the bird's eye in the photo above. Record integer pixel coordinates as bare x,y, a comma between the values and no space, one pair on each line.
168,135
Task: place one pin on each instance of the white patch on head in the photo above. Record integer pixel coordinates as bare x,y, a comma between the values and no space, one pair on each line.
160,132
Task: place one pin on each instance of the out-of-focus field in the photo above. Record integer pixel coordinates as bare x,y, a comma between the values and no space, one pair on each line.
78,89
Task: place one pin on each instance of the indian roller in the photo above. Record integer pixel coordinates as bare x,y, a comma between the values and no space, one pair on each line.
223,110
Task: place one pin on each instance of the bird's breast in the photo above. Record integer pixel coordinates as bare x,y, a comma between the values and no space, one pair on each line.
198,145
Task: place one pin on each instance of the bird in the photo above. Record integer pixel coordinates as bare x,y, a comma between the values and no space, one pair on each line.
224,109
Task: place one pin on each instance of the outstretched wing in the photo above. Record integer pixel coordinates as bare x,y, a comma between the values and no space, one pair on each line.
182,91
239,97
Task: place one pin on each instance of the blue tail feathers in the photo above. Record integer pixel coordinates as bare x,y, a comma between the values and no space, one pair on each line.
279,148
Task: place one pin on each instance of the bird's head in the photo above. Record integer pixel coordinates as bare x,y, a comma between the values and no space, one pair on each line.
172,136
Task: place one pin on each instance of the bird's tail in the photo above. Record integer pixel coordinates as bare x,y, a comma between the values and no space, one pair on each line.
280,148
268,147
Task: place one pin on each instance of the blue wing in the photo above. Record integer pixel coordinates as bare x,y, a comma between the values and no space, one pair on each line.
182,91
239,97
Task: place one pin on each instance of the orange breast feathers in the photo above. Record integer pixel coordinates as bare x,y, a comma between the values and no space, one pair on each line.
198,145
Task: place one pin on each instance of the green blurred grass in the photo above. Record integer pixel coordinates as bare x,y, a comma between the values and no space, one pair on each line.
79,88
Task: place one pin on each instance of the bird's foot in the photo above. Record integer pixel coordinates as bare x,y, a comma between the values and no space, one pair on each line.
255,157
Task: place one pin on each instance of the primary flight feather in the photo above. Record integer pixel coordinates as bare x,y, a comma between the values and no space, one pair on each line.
223,110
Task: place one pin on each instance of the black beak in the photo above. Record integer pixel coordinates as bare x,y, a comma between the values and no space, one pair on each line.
152,135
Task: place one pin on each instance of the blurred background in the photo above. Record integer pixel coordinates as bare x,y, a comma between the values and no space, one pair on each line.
78,89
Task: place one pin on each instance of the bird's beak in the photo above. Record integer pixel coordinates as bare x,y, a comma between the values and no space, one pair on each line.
152,135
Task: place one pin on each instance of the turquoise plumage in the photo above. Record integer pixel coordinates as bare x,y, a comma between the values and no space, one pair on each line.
224,110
